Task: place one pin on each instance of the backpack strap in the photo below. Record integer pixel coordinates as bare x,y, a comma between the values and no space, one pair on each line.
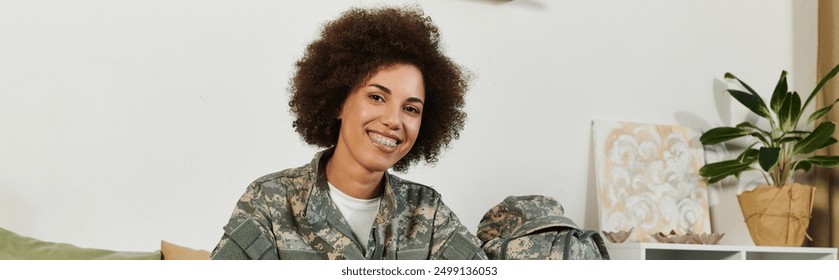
504,248
584,235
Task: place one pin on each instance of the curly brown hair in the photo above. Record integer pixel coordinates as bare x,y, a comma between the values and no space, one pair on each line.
356,45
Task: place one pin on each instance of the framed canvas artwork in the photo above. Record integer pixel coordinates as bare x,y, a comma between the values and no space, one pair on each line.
647,178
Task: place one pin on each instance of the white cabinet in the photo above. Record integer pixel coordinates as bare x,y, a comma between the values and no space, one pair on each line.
665,251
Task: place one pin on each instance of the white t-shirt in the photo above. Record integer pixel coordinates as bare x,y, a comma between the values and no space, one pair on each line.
359,213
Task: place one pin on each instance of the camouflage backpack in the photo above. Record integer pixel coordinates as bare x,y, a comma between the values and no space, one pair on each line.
533,228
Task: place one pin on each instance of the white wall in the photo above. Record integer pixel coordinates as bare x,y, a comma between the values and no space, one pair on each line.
126,122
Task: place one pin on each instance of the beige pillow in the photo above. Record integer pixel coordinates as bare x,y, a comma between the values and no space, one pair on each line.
174,252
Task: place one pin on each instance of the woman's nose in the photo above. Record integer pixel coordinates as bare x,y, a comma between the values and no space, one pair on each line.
391,117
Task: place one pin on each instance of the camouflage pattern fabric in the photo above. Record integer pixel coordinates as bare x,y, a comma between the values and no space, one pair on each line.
534,228
289,215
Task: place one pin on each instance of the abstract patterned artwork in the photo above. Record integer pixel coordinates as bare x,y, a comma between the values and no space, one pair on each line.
647,177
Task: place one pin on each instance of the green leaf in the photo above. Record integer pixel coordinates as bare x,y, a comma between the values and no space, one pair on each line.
821,84
718,171
718,168
827,142
816,140
752,101
768,157
824,161
789,110
798,132
820,113
721,134
748,156
758,133
788,139
760,137
780,93
763,110
731,76
803,165
712,180
748,125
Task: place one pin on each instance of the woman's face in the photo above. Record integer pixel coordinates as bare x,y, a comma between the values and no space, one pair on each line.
381,117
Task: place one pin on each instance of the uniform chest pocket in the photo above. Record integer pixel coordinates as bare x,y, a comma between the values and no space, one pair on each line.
291,246
289,254
412,254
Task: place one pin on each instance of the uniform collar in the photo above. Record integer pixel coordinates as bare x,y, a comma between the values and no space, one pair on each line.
320,188
322,214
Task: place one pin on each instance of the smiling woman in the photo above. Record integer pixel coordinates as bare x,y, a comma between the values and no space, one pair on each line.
377,92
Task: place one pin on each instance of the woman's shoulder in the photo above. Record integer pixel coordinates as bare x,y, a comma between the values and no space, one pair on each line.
279,181
410,189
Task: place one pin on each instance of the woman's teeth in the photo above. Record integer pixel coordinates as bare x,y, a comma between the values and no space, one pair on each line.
384,141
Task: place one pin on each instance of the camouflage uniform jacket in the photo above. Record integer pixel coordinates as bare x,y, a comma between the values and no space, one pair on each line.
289,215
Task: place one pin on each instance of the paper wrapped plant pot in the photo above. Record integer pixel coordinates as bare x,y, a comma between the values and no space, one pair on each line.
778,216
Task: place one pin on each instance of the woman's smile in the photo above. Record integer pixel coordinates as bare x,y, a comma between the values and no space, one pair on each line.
388,142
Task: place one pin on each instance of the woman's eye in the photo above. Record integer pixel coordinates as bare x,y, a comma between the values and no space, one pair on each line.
411,109
377,98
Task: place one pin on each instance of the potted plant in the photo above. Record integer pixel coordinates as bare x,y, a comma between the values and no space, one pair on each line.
777,214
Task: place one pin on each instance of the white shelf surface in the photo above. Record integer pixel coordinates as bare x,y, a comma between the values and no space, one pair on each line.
667,251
